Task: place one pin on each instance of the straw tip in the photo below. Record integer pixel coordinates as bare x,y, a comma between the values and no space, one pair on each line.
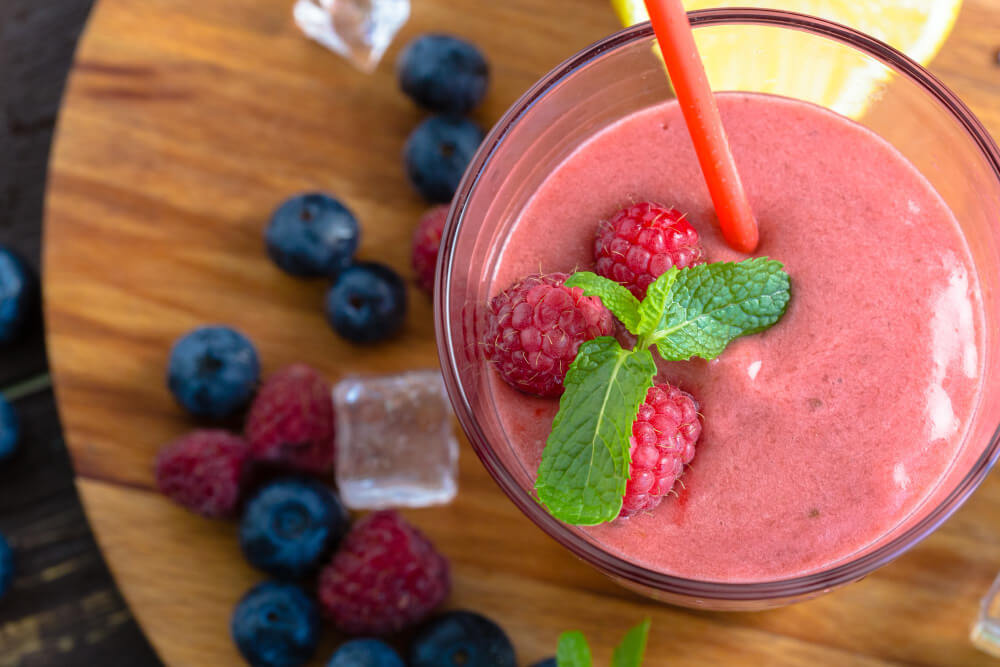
744,237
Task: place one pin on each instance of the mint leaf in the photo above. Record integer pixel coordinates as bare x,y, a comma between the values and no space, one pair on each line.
614,296
629,652
703,308
573,650
658,295
585,464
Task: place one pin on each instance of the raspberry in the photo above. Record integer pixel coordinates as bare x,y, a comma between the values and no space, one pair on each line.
203,471
386,576
426,241
535,328
291,420
663,437
643,241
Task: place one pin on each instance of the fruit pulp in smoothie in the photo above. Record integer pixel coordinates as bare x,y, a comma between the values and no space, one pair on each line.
826,431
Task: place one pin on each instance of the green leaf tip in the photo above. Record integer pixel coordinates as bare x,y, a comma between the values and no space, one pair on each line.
573,650
614,296
630,651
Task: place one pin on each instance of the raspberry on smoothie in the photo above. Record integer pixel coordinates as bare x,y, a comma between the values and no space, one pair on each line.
535,328
663,440
641,242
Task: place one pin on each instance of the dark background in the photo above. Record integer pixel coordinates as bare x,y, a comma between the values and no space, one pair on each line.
64,608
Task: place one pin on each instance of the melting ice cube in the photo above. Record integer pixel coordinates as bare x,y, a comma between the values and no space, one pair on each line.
359,30
986,631
395,444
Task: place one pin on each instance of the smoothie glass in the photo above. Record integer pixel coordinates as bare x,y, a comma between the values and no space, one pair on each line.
620,75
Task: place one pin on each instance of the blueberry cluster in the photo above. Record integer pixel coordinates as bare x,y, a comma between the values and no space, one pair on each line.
289,529
315,235
373,578
277,625
449,77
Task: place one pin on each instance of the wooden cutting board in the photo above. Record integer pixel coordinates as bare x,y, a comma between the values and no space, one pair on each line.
184,123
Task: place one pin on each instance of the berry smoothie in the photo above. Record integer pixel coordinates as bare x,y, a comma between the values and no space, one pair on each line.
827,430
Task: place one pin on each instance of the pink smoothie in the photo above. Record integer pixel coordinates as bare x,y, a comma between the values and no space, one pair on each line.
826,431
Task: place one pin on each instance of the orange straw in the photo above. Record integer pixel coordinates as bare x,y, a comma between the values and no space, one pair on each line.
687,73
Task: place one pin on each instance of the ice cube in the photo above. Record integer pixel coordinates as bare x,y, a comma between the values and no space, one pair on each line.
395,443
359,30
986,631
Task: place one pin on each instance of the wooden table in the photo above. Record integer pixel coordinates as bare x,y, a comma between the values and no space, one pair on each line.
64,608
185,122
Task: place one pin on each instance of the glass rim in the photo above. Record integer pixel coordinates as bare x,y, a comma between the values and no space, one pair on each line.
613,565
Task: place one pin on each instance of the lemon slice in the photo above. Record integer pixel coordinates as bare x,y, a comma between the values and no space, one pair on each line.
836,77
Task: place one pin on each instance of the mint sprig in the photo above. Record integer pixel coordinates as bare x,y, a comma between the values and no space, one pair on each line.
586,459
693,312
629,653
573,650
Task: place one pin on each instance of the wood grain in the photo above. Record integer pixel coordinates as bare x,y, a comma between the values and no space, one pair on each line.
185,122
63,608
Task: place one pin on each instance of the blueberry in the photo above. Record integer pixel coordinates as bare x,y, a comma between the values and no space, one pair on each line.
312,234
18,294
6,566
443,73
437,153
365,653
290,525
367,303
461,638
275,625
548,662
10,430
213,371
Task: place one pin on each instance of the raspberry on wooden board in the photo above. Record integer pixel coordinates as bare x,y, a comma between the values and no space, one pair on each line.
385,576
426,243
291,421
204,471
